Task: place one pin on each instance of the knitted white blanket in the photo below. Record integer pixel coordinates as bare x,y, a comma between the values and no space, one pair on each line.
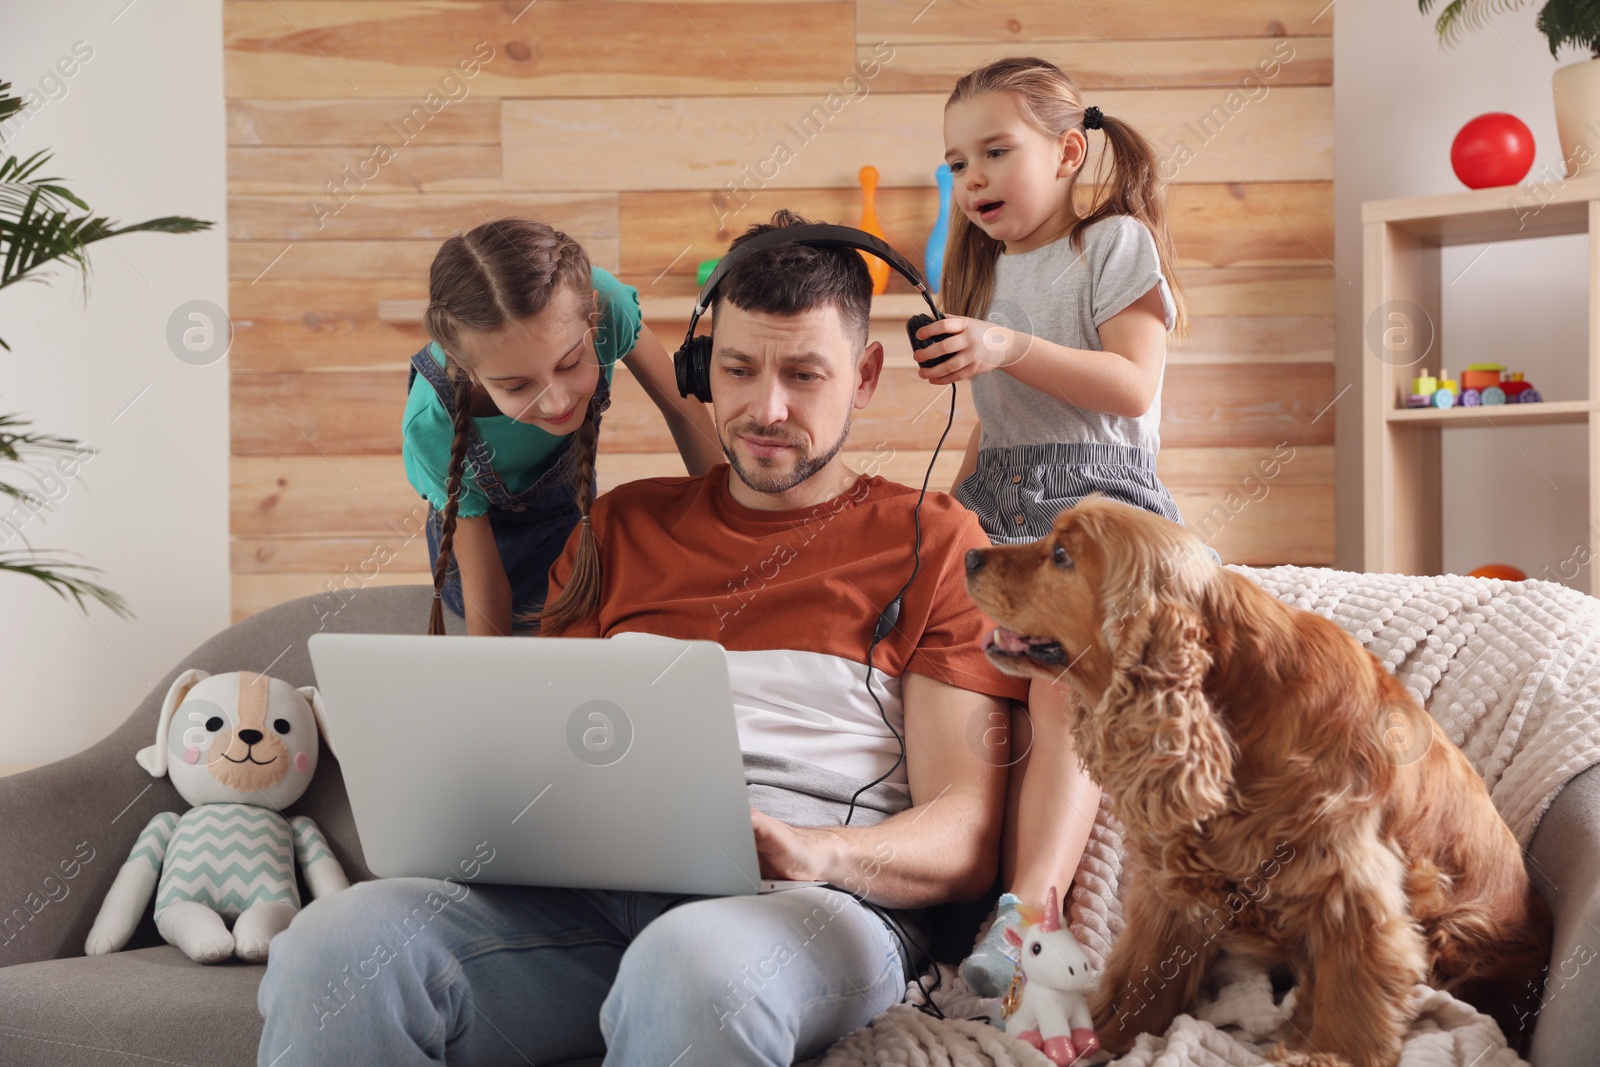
1509,669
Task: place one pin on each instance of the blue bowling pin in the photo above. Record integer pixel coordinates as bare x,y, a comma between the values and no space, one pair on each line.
933,257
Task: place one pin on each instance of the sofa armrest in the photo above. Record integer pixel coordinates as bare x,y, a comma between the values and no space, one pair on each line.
65,830
1564,861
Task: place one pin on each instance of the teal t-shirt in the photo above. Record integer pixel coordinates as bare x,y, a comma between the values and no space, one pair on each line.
521,452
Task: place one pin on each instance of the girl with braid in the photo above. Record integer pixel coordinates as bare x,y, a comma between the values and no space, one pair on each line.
502,422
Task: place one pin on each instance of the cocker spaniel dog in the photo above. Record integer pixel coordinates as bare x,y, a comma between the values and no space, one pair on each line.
1284,797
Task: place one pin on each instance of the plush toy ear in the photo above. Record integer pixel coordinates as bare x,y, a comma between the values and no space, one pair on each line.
154,758
314,698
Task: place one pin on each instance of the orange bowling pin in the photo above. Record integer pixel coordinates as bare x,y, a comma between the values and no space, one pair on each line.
869,222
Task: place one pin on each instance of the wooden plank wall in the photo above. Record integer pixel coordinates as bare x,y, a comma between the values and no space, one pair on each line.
648,130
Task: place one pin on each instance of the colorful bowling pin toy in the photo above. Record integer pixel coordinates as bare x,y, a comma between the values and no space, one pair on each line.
933,257
869,222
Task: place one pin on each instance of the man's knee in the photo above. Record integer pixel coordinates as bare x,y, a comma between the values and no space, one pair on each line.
340,944
708,961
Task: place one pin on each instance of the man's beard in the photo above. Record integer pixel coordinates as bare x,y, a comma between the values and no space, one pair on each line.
774,482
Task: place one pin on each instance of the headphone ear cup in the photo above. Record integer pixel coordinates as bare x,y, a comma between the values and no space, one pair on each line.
692,364
916,323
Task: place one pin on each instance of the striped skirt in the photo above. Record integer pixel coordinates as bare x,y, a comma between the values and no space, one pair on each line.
1018,491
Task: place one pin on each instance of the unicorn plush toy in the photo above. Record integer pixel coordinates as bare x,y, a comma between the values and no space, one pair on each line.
1046,1005
243,747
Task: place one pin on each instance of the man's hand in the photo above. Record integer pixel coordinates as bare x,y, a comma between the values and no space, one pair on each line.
797,853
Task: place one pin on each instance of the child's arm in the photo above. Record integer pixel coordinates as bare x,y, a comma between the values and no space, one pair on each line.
485,589
1121,380
686,417
969,462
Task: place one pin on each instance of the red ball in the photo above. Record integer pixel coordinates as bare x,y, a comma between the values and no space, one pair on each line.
1493,149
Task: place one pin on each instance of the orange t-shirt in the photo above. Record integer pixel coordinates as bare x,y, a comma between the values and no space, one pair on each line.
793,596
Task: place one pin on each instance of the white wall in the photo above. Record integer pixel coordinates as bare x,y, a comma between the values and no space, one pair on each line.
1399,97
140,133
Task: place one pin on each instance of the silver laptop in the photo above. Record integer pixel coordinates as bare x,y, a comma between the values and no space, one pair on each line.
581,762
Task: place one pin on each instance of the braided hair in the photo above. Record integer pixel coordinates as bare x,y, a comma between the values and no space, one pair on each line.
483,280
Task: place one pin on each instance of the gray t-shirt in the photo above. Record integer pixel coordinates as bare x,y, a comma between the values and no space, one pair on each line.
1063,294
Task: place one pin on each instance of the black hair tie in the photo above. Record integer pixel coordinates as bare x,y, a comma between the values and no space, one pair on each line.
1092,118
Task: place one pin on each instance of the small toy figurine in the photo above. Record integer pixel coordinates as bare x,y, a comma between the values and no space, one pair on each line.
1046,1005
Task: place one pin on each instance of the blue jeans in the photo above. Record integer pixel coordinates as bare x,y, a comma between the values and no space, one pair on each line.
403,971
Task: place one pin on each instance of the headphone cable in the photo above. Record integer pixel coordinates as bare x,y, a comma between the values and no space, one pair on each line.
886,621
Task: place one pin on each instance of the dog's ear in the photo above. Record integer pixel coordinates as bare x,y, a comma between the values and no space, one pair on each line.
1163,730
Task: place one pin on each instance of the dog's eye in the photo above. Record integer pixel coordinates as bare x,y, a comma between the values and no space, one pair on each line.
1036,948
281,725
214,723
1060,558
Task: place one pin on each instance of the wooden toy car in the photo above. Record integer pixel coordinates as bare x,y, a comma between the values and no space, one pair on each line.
1481,385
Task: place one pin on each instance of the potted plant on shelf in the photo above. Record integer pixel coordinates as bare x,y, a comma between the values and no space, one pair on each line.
43,223
1577,85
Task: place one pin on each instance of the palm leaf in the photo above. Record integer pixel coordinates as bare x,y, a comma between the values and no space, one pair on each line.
1575,22
1571,22
1460,15
9,105
42,222
66,586
17,446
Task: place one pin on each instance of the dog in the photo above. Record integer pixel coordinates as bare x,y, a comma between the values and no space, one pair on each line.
1284,797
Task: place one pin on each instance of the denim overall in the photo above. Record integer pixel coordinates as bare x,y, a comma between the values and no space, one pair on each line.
531,527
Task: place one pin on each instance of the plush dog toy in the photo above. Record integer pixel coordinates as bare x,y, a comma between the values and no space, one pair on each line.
244,747
1046,1005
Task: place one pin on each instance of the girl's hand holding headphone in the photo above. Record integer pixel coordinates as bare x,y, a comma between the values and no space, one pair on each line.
975,346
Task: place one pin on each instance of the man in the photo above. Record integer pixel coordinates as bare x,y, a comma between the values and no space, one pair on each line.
785,557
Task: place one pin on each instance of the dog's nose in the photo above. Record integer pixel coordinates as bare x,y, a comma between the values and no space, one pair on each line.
974,560
250,737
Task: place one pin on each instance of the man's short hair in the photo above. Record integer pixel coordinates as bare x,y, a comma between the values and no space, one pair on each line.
791,278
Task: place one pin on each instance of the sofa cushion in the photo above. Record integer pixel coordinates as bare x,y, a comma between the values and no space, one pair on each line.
148,1005
145,1005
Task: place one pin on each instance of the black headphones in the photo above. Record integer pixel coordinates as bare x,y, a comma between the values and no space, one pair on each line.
693,359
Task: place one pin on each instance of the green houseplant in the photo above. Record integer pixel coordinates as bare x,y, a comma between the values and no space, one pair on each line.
43,223
1574,22
1576,86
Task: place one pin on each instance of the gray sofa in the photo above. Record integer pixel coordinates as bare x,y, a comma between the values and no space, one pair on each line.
150,1004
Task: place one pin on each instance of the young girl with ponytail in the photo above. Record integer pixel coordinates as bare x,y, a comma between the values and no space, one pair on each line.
503,418
1060,319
